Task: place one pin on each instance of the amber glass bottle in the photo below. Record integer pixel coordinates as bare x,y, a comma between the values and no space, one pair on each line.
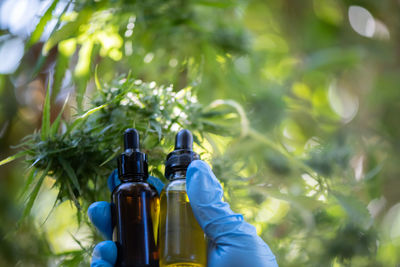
182,241
135,208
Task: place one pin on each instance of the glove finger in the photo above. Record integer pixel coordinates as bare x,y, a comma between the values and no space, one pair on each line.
100,215
104,254
215,216
113,180
225,228
100,263
157,183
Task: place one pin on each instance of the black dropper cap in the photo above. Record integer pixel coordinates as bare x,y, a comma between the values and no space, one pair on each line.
183,155
132,163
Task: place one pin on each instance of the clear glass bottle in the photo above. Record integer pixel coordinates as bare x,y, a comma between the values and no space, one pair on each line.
135,209
182,241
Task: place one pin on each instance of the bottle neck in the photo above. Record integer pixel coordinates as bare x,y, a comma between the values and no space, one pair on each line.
131,178
177,175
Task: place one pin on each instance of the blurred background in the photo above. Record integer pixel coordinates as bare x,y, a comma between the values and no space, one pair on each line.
313,163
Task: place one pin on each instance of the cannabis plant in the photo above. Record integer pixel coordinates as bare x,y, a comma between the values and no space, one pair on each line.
294,104
79,153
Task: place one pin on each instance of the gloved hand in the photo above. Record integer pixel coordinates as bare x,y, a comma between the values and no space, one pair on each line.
233,242
105,253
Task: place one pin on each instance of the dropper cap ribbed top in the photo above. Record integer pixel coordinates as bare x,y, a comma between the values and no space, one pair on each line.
183,154
132,163
131,139
184,140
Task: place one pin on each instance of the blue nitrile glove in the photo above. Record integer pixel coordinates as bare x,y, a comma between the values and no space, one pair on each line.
233,242
105,253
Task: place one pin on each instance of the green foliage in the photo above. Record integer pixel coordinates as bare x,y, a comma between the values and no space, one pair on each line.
295,110
37,33
23,244
80,157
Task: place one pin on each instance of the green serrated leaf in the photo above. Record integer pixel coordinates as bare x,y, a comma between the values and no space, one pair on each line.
244,121
32,174
91,111
111,157
70,172
13,157
157,127
35,191
56,123
81,118
83,248
96,78
73,197
72,258
355,209
56,201
37,33
67,31
38,66
45,131
59,73
372,173
81,72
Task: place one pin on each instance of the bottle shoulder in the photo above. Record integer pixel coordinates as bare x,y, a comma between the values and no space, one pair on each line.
176,185
134,188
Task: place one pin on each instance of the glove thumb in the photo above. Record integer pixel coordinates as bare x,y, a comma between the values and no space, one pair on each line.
215,216
228,231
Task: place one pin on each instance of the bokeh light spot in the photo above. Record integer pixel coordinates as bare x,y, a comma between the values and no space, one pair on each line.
361,21
11,52
148,57
392,222
343,102
173,62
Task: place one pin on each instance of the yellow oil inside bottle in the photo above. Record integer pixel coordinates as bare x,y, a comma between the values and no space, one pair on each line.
182,241
155,212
